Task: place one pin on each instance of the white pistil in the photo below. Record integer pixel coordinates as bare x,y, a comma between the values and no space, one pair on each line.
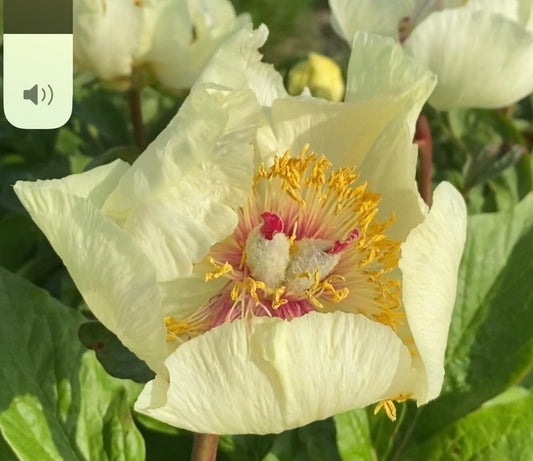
311,256
267,259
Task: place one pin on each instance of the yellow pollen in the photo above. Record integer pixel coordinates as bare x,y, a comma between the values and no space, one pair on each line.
181,329
220,269
250,286
324,288
278,300
388,405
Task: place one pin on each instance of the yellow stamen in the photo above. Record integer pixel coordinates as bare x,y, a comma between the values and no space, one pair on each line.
182,329
220,269
324,287
388,405
250,286
278,300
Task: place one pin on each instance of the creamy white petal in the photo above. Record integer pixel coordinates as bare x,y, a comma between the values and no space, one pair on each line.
379,69
237,64
180,196
520,11
343,132
508,8
266,82
221,54
395,152
267,375
185,296
211,13
230,63
383,85
377,16
429,263
116,280
94,185
481,60
166,33
97,45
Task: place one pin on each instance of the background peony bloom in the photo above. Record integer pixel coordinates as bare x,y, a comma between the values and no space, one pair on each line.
269,285
481,50
174,39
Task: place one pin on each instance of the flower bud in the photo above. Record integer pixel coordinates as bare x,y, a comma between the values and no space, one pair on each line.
320,74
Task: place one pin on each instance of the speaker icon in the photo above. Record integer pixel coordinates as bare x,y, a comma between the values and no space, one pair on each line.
33,94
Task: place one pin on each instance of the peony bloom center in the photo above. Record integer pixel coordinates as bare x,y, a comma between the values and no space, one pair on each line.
307,240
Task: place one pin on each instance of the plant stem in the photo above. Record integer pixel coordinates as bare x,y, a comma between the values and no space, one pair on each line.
134,101
425,144
204,447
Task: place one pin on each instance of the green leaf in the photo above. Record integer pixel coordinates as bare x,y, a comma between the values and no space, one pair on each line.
353,436
489,162
18,239
490,344
117,360
245,447
56,401
314,442
493,433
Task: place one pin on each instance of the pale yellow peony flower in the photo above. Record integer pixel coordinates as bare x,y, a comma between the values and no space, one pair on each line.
175,39
269,256
481,50
320,74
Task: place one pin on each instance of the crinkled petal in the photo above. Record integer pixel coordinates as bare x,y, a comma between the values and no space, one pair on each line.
97,46
94,185
378,16
481,60
114,277
379,69
429,263
267,375
266,82
180,196
237,64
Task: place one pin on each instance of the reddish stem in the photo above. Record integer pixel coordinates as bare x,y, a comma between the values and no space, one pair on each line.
425,144
134,102
204,447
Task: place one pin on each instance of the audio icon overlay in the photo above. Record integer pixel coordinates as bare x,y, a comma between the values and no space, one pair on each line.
38,63
33,94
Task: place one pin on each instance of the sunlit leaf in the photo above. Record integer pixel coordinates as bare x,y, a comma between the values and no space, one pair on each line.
353,436
56,401
497,432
